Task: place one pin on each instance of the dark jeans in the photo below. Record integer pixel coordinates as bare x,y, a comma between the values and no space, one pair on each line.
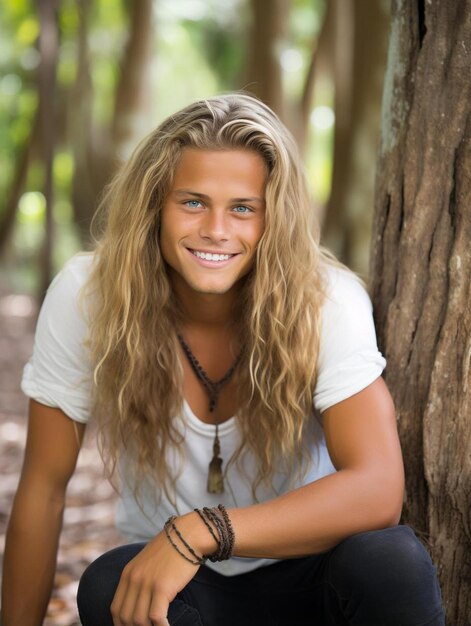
377,578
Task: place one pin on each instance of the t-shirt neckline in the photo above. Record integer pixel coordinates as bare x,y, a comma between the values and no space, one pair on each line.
207,429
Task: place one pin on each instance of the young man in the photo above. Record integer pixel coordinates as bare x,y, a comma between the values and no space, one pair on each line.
233,370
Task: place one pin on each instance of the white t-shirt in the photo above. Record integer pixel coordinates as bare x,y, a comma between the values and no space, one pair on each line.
59,374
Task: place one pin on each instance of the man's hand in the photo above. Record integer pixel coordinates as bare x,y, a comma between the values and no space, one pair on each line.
152,579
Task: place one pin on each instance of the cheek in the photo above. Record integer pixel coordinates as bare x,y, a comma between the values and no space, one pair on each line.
256,233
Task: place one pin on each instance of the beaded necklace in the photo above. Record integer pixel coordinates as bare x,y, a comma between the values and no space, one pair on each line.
213,388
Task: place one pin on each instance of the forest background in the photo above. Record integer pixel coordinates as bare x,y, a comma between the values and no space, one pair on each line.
81,81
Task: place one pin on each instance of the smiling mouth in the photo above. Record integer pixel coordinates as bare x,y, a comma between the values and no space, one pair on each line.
209,256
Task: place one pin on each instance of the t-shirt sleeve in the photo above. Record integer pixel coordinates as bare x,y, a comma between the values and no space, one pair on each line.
58,373
349,359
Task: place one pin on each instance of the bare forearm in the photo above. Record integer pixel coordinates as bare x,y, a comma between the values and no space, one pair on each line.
30,561
315,518
312,519
365,494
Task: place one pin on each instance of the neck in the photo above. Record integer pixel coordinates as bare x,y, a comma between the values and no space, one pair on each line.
209,310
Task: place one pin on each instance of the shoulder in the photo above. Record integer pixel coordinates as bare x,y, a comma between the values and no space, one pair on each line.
348,359
58,373
65,312
347,312
343,289
66,289
75,273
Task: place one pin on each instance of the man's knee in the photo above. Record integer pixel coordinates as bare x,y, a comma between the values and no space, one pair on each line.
393,555
387,568
99,582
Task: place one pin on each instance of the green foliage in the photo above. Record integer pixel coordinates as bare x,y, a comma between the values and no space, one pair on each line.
220,36
19,60
305,22
18,100
319,161
200,49
107,34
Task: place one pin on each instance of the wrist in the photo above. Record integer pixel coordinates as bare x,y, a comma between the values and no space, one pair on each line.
192,527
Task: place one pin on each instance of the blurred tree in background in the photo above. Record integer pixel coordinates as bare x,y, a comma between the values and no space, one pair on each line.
119,67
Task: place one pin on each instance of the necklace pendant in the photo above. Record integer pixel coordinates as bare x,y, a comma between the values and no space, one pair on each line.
215,476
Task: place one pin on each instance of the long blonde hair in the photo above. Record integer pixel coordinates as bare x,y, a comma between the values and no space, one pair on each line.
133,341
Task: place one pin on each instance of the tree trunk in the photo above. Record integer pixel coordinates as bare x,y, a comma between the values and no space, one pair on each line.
342,68
48,47
269,31
361,30
97,150
133,95
421,266
19,178
319,65
89,153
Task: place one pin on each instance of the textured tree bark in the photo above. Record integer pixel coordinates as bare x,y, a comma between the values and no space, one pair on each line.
421,271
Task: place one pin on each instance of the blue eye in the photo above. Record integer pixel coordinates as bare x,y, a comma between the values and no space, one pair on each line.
193,204
242,209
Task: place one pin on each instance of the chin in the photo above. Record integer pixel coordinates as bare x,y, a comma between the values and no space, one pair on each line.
210,285
216,290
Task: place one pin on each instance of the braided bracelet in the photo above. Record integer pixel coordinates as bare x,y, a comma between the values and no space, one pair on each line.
170,523
229,529
217,519
209,527
223,552
219,525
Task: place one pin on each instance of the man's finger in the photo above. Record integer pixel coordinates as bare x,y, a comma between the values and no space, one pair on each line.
158,611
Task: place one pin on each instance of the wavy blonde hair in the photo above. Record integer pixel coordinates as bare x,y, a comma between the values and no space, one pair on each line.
133,340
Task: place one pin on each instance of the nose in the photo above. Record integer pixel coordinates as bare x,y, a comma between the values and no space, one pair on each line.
215,225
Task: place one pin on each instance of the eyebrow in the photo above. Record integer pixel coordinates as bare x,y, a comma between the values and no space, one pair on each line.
203,196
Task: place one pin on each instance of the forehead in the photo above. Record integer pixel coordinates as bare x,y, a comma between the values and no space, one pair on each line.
238,166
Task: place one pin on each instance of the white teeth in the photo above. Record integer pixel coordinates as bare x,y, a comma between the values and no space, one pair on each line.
207,256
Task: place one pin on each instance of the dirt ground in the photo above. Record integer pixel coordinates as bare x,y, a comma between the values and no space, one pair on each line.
88,524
